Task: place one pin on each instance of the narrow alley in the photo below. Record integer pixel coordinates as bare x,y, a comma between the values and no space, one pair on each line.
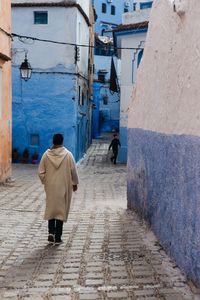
107,252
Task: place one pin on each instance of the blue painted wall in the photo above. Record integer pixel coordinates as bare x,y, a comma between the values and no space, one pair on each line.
105,117
109,125
164,187
47,104
107,17
96,113
107,20
137,38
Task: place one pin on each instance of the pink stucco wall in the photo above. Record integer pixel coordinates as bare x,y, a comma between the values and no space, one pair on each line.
167,92
5,64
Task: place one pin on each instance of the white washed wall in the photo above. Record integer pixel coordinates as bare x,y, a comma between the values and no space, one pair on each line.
128,72
62,26
170,72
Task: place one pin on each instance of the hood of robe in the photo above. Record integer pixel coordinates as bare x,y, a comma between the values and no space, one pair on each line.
56,156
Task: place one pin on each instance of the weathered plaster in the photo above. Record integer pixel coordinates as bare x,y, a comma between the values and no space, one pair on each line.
164,132
48,110
164,188
5,90
129,68
168,76
52,100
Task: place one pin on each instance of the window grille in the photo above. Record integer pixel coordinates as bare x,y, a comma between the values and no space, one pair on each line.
40,17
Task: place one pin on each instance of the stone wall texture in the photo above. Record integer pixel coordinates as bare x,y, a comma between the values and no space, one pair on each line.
164,132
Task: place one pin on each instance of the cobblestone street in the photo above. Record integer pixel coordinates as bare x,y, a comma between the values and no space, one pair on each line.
107,252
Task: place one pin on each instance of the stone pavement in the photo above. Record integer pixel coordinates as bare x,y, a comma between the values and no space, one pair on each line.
107,252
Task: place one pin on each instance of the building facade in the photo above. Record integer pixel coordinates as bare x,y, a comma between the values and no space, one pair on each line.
164,133
106,113
57,98
5,90
106,101
109,12
131,34
110,15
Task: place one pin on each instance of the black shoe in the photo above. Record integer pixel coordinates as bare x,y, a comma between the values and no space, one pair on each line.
58,241
51,238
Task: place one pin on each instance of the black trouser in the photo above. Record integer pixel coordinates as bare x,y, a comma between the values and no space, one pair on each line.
55,227
114,157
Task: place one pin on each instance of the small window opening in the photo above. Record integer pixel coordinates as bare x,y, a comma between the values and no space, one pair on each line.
104,8
112,10
35,139
40,17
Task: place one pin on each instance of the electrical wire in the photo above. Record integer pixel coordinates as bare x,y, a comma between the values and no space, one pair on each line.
24,37
6,33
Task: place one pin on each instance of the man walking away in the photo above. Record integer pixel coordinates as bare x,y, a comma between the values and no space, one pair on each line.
115,143
57,171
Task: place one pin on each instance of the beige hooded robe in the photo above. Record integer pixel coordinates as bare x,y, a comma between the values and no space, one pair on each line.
57,171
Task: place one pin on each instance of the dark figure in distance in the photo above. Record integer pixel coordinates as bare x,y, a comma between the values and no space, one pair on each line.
115,143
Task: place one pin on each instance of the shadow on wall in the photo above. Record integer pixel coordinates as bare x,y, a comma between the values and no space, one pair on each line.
137,187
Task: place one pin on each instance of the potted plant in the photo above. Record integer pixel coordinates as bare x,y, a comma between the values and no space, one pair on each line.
25,156
15,156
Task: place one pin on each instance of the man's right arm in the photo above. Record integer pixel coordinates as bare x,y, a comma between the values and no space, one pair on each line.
74,174
110,145
75,187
